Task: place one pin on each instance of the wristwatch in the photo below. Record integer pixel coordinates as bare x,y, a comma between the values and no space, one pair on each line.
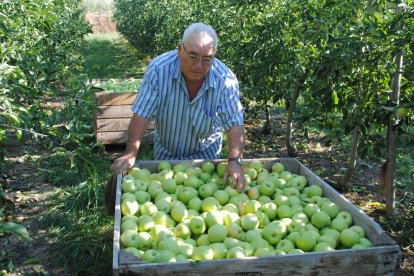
237,159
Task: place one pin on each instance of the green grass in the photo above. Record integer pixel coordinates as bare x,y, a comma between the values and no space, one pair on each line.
109,56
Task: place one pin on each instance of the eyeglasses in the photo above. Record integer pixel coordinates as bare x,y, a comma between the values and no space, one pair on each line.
197,59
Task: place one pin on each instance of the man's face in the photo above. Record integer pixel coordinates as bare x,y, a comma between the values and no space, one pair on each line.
196,57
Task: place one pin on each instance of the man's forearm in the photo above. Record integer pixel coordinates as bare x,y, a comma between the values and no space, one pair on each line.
136,131
235,139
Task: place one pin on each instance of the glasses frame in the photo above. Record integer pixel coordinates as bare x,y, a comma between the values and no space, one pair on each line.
197,59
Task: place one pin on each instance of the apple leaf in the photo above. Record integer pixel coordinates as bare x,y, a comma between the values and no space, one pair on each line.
17,229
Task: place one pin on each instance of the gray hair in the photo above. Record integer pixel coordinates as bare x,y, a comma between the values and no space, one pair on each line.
200,28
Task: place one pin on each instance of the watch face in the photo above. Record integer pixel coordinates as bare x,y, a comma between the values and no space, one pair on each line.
238,160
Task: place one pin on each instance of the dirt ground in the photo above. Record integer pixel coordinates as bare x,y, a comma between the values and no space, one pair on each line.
28,191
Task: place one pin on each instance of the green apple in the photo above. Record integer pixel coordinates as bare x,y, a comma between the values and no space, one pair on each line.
267,188
329,239
214,217
331,232
206,190
209,204
365,242
169,185
208,167
129,207
231,191
274,232
235,252
296,226
339,224
284,211
180,167
142,196
160,217
306,241
159,232
203,252
169,243
129,238
222,197
135,252
186,194
192,181
286,175
310,209
270,209
280,184
195,171
217,233
128,196
230,242
192,213
163,206
323,246
203,239
349,238
128,186
148,208
252,206
294,200
259,242
285,245
314,190
281,200
219,250
182,231
179,213
293,236
163,195
205,177
180,177
195,204
133,218
263,219
165,174
402,112
330,208
252,173
230,217
221,168
346,216
163,165
185,248
300,216
278,167
197,225
165,256
150,256
154,188
260,252
320,219
359,230
145,222
129,225
249,222
232,208
234,230
252,234
291,191
248,248
264,199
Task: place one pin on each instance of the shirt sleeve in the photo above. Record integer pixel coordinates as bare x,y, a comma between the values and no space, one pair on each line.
230,109
145,103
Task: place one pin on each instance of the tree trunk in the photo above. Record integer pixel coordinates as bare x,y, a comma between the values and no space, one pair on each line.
291,149
267,128
346,182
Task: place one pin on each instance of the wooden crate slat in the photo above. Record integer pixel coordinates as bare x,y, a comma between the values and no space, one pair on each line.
120,124
119,137
124,98
114,111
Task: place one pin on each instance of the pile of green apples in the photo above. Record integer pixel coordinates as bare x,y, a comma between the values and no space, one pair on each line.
184,212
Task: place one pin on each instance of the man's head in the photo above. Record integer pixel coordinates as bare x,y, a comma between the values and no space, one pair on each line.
197,51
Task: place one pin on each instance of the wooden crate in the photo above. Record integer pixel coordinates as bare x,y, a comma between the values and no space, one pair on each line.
112,120
382,259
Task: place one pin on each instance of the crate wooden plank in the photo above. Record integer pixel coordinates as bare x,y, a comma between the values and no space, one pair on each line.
106,98
119,137
114,111
382,259
120,124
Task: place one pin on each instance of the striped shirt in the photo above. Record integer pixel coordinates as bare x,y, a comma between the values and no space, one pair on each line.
188,129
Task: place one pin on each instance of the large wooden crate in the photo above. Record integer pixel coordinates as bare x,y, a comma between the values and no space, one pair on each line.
382,259
112,119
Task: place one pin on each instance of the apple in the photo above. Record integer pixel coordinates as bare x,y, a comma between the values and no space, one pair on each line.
349,238
359,230
185,248
306,241
145,222
209,204
205,177
197,225
323,246
232,208
296,226
251,172
180,177
217,233
264,199
293,236
128,196
320,219
129,238
133,218
284,211
253,206
298,182
248,248
230,217
330,208
163,196
280,184
165,174
278,167
291,191
142,196
263,219
195,204
267,188
180,167
135,252
148,208
206,190
169,185
192,181
286,175
165,256
129,207
294,200
285,245
221,196
328,239
310,209
234,230
346,216
300,216
249,222
331,232
235,252
203,252
230,242
339,224
214,217
154,188
128,186
274,232
219,250
257,165
270,209
186,194
179,213
129,225
191,213
169,243
195,171
221,168
402,112
281,200
160,217
261,252
208,167
314,190
163,206
150,256
231,191
365,242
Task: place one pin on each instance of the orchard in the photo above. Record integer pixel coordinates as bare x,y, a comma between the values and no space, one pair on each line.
184,212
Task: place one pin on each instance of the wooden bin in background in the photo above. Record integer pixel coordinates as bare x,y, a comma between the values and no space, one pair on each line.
113,117
382,259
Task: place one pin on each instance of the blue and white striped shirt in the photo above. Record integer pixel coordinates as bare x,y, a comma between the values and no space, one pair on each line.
185,129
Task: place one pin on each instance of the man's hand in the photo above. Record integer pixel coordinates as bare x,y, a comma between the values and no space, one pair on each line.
235,172
123,164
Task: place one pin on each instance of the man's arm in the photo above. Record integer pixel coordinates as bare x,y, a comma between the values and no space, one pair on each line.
136,131
235,139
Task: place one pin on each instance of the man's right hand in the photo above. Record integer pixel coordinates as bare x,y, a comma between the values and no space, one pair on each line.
122,164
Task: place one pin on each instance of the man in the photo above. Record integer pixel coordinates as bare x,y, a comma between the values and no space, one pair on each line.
193,97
